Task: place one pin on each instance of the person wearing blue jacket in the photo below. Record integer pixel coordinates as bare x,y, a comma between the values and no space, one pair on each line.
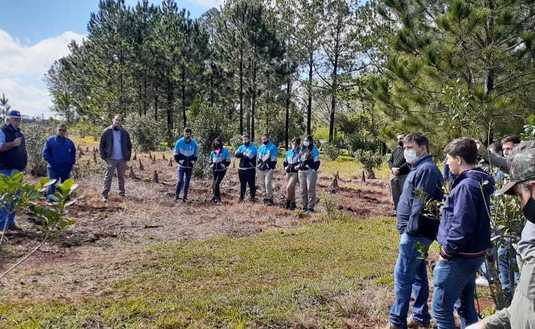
247,153
60,153
417,229
291,165
219,162
463,235
267,161
186,154
309,163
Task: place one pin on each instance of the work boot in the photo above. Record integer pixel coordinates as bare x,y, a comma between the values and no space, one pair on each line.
293,205
288,204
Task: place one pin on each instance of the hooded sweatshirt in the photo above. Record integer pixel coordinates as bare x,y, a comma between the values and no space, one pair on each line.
464,230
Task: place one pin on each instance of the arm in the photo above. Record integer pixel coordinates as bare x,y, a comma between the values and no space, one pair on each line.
47,154
494,159
102,146
128,146
463,223
422,182
4,147
239,153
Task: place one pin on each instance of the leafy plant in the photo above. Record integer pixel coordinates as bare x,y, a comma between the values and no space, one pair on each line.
331,151
370,160
146,133
36,135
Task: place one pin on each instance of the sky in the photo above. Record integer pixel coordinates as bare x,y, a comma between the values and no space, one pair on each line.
35,33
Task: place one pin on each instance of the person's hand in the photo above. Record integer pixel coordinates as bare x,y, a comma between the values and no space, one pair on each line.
17,141
395,171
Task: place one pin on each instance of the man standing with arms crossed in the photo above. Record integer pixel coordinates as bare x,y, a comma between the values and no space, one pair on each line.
13,158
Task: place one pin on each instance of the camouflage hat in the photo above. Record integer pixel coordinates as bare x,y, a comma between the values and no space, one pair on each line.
522,166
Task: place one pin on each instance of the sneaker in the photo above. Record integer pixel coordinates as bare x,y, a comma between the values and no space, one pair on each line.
14,228
482,281
269,202
310,210
241,200
391,326
104,198
293,206
122,195
415,324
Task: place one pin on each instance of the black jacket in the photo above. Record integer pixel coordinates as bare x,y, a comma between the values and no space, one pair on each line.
106,144
17,157
397,160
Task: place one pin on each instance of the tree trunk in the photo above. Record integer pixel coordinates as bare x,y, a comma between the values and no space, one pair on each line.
241,92
287,120
309,103
170,101
184,117
334,90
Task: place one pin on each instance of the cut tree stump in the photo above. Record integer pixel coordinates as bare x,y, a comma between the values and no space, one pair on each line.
132,174
141,168
334,184
170,162
155,177
135,156
94,157
363,176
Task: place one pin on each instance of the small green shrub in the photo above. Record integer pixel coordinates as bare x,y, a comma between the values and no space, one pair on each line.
331,151
370,160
36,135
146,133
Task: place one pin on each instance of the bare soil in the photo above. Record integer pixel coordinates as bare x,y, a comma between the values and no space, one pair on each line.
109,239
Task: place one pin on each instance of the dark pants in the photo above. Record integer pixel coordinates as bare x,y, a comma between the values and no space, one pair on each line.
247,177
396,187
60,176
216,184
183,179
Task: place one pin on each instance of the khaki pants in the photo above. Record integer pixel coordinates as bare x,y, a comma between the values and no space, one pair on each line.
307,183
112,166
521,313
290,187
265,178
396,187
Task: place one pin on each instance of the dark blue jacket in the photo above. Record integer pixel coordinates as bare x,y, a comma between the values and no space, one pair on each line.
424,176
465,226
60,153
17,157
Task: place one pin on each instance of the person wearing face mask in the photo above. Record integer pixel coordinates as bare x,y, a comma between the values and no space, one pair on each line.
60,153
267,160
291,163
463,235
309,159
247,169
115,149
495,159
521,312
186,153
417,232
219,162
399,169
13,158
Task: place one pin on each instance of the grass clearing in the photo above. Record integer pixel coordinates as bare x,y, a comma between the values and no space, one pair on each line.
324,274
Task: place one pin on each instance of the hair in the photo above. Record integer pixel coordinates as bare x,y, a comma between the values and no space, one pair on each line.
187,130
265,135
217,140
465,148
245,136
511,139
118,115
62,126
296,140
418,139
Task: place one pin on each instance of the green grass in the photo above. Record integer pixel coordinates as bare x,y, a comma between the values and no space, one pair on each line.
348,168
274,279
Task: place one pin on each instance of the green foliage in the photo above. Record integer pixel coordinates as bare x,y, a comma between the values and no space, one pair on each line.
36,134
331,151
146,133
50,218
369,159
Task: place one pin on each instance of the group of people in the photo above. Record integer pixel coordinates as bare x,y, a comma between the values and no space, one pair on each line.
462,229
301,163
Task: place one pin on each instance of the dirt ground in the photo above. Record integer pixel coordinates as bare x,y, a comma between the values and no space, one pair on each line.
109,239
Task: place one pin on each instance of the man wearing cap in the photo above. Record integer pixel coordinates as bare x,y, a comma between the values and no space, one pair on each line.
60,153
13,158
521,313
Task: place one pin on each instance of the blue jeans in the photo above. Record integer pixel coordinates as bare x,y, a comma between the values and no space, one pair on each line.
507,269
7,214
60,176
183,179
410,279
454,280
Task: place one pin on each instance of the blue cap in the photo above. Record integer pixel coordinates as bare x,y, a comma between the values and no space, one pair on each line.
14,114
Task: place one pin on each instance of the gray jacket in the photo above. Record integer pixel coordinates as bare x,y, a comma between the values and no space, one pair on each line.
106,144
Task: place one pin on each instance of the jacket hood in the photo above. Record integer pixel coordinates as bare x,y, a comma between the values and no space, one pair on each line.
481,177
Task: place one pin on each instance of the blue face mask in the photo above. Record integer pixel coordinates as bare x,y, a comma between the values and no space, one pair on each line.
410,156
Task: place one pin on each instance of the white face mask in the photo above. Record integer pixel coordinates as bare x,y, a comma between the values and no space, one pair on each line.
306,144
410,156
